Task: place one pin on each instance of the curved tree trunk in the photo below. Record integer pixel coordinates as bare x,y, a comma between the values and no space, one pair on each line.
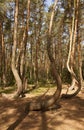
14,70
23,49
43,105
52,60
71,55
20,77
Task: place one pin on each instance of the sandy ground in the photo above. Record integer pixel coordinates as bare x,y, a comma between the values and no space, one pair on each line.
69,117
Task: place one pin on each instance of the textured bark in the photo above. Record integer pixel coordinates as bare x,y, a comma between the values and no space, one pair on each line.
80,64
71,55
36,62
2,57
79,49
3,60
31,69
44,105
23,47
21,61
0,52
14,70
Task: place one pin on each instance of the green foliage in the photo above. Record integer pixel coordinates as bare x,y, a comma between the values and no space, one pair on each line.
8,25
7,90
38,25
31,81
10,78
66,77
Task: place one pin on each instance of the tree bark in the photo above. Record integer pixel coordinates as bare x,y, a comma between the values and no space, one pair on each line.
23,48
71,56
0,53
44,105
14,70
80,64
3,60
79,49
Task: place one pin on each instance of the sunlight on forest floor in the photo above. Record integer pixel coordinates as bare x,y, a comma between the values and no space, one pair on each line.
69,117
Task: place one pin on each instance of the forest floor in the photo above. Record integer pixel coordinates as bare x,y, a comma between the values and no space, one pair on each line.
70,116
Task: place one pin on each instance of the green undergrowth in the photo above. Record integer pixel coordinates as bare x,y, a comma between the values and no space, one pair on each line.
41,89
7,90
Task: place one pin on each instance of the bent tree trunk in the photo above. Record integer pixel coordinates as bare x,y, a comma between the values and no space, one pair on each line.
44,105
14,70
23,65
71,55
20,77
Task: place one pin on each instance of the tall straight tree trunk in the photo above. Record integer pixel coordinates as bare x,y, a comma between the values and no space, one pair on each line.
60,55
3,60
14,70
79,48
31,69
0,53
36,65
2,57
80,64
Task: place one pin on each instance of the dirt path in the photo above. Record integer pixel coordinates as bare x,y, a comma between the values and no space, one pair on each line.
69,117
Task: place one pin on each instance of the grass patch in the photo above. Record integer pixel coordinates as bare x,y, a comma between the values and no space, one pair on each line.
7,90
42,89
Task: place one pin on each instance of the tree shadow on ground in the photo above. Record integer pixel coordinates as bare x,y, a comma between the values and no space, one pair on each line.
71,115
17,122
71,111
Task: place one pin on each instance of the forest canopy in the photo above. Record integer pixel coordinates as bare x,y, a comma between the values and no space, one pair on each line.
41,43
